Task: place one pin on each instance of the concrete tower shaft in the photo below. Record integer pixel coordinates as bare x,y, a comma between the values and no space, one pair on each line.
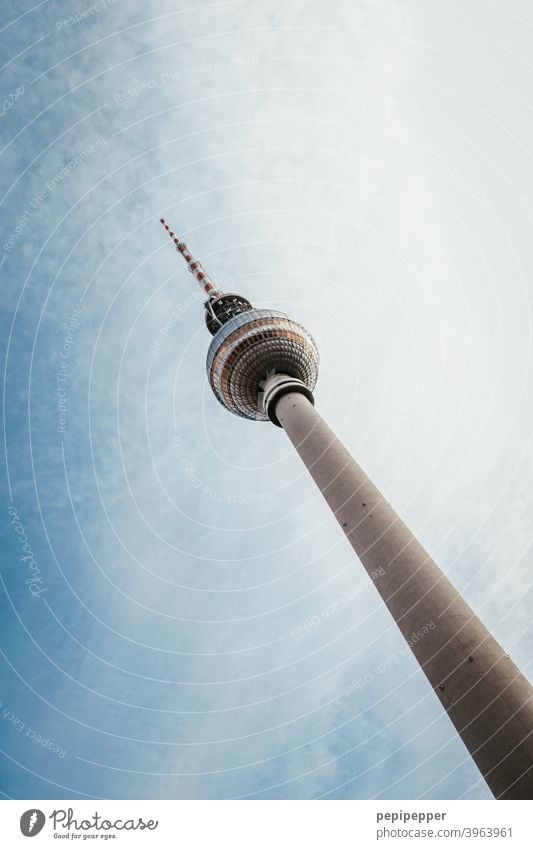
485,695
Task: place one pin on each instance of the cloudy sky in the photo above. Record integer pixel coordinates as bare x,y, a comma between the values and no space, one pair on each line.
180,616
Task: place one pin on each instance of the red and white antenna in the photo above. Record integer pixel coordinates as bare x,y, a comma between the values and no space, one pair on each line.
195,267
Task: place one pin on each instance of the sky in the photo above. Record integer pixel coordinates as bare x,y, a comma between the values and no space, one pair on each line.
180,615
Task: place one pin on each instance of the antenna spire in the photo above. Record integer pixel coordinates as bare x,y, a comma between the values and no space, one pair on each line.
195,266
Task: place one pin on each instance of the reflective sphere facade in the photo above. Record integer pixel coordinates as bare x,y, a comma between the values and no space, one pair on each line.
250,347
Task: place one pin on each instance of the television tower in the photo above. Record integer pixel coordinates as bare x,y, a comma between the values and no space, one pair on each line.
262,365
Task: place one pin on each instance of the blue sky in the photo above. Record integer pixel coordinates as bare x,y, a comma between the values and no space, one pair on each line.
199,628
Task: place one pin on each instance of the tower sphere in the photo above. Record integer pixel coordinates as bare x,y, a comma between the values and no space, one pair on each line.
252,346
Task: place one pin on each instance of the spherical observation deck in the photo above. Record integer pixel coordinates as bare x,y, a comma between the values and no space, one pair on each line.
249,348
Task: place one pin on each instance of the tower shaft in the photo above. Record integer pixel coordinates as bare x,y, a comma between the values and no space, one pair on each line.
485,695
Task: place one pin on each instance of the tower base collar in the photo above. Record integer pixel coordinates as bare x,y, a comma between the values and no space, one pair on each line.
277,385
